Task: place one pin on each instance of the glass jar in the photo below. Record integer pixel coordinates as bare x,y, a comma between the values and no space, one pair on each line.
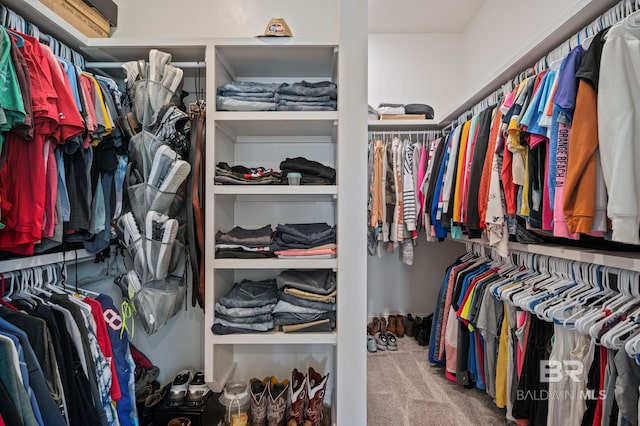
236,399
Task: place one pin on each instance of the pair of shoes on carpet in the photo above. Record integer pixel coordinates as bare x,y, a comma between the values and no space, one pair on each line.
421,330
394,325
384,342
188,389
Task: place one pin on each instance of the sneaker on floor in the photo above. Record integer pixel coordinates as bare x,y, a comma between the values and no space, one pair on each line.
392,344
381,341
179,389
371,344
161,233
198,390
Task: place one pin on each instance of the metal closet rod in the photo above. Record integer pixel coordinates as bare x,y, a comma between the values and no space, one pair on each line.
197,64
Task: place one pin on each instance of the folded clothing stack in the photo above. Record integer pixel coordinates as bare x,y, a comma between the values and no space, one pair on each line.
313,173
306,300
418,111
241,175
247,308
305,240
244,243
299,96
246,96
305,96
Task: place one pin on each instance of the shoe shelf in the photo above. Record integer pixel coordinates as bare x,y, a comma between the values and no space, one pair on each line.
275,264
278,338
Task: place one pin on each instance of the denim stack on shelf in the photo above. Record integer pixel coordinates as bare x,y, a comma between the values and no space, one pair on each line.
305,240
247,308
241,243
312,172
306,300
246,96
299,96
305,96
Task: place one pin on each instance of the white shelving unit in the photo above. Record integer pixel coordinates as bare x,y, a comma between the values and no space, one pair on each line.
265,139
399,125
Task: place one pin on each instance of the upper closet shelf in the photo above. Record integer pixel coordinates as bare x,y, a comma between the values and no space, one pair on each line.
400,125
69,257
615,259
277,58
278,338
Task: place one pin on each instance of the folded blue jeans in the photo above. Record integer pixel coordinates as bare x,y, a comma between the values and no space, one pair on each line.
257,319
231,104
322,281
285,307
244,312
264,326
249,87
294,318
304,88
250,294
304,108
321,306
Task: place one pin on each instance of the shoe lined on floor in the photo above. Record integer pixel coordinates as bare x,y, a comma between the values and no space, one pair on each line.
392,344
383,325
371,344
161,232
409,323
374,326
277,405
400,328
179,421
259,399
198,390
179,388
298,397
391,327
316,388
381,341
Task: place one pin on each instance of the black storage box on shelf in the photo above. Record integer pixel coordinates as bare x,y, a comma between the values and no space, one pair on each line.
209,414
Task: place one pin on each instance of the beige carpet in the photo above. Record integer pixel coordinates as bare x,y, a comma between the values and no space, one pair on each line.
403,389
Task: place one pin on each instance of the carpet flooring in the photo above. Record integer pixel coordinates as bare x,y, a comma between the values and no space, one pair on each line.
403,389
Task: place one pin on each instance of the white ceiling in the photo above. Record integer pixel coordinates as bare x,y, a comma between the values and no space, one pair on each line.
421,16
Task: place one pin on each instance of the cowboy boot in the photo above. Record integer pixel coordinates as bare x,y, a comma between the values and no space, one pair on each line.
277,405
259,390
316,387
298,392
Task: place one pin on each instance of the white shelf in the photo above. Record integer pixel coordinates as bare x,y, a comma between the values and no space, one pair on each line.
274,263
309,125
120,49
283,58
615,259
275,190
68,257
278,338
403,125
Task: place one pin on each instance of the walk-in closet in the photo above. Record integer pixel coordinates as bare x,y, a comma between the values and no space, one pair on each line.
319,212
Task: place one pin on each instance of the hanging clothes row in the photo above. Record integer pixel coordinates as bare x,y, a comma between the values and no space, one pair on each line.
66,357
63,159
552,341
556,151
396,164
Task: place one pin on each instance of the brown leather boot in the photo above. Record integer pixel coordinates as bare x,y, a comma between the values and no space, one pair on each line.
298,394
400,326
383,325
374,326
392,327
316,387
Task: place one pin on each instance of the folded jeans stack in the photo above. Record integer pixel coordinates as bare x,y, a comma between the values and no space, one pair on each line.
313,172
241,175
246,96
305,96
306,300
305,240
244,243
247,308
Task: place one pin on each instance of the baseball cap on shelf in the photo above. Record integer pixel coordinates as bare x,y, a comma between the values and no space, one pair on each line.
277,27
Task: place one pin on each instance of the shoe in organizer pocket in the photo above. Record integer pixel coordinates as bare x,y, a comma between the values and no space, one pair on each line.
161,233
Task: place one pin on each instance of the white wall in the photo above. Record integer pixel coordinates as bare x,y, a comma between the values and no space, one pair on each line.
223,18
414,68
396,288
